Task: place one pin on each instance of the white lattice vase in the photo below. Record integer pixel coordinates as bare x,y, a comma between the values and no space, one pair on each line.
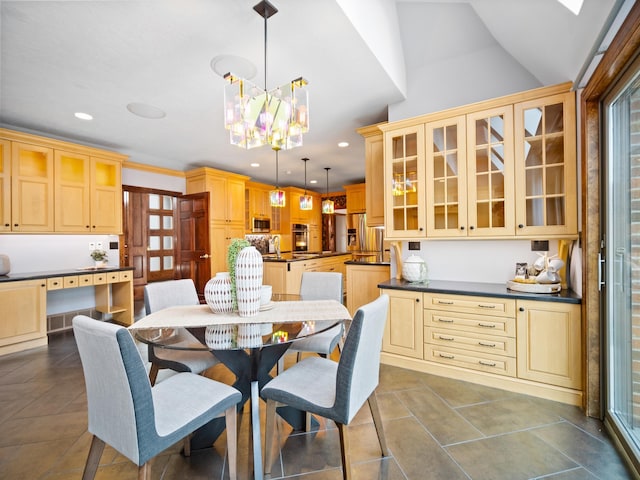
248,281
217,293
219,337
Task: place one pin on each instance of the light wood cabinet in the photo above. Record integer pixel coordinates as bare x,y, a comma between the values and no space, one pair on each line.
403,332
374,174
285,277
257,203
31,188
362,284
550,343
404,171
24,317
315,238
88,194
5,186
356,198
503,168
226,209
545,132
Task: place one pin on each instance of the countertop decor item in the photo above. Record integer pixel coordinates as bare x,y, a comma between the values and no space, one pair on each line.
5,264
236,245
414,269
99,256
217,293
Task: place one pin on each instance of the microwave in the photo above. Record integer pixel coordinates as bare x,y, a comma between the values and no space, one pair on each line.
260,225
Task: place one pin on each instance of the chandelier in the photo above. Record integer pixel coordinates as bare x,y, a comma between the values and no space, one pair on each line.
277,196
327,204
257,117
306,201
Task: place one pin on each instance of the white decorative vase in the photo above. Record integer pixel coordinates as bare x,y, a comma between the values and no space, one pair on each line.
100,263
248,281
219,337
217,293
414,269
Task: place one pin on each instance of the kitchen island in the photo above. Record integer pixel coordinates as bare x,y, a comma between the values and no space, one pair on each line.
484,333
364,273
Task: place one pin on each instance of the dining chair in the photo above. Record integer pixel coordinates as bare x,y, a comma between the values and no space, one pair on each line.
335,390
136,419
170,293
320,286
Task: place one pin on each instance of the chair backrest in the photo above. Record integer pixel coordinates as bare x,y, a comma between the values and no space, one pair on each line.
359,366
159,295
120,403
321,286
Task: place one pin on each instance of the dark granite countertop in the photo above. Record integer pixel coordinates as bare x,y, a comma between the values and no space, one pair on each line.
15,277
298,257
498,290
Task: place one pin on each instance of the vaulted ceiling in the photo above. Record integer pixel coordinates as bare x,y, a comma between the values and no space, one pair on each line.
366,62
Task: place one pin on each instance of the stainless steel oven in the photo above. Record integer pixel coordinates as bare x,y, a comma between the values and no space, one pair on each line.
260,225
300,237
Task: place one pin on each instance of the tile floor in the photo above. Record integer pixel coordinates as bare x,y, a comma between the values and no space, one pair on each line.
436,428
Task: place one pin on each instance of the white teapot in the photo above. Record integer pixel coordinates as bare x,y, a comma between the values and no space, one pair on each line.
414,269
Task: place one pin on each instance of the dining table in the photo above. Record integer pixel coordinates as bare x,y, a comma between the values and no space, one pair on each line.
249,346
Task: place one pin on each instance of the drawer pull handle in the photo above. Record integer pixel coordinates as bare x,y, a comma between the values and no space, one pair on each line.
445,320
450,357
442,302
448,339
486,325
486,306
487,364
482,344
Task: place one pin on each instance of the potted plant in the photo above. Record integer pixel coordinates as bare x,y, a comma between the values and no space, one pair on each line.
100,257
236,245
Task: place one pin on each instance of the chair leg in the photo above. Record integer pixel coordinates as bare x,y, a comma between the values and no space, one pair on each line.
377,422
144,471
345,451
232,441
269,433
186,447
153,374
93,459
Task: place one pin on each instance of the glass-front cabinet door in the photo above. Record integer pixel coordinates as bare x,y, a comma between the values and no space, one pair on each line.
446,178
545,155
404,167
490,173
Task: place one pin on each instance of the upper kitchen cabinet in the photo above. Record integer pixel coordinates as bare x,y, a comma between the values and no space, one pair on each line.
374,175
31,188
356,196
5,186
257,203
545,135
226,209
404,166
88,193
54,186
502,168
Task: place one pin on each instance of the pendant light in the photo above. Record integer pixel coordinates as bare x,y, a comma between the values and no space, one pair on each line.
306,201
277,196
327,204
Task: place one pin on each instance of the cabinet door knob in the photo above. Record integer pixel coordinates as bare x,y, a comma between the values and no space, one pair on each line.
417,300
7,224
471,227
521,309
461,227
520,225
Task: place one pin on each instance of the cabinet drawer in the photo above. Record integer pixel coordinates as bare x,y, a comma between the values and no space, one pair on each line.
55,283
493,345
502,307
70,282
126,276
469,322
85,280
113,277
99,278
466,359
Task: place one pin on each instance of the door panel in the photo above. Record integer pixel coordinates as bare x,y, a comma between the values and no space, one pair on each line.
194,246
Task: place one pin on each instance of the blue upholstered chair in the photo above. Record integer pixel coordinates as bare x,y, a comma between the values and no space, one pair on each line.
159,295
335,390
136,419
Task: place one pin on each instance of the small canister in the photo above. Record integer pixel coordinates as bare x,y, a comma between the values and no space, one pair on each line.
5,265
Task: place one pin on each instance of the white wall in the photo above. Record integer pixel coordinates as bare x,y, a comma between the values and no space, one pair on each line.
141,178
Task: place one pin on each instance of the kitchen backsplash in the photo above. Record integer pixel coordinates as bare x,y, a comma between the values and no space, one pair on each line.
261,242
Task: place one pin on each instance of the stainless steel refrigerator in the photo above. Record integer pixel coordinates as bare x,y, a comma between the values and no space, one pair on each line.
363,240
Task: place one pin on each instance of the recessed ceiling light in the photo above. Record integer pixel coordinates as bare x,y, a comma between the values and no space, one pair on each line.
313,181
146,111
343,144
83,116
241,67
255,165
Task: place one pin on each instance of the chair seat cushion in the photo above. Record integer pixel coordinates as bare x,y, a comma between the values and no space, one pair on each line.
323,343
185,401
309,385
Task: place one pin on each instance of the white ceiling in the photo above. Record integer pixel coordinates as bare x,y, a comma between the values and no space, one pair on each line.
366,60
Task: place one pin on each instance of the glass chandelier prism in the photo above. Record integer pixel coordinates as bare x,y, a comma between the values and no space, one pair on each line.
256,116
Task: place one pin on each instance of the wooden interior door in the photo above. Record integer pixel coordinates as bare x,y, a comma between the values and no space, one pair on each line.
194,245
134,239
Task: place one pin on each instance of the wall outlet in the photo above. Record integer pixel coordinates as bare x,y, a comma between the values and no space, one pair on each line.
414,245
99,245
92,246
